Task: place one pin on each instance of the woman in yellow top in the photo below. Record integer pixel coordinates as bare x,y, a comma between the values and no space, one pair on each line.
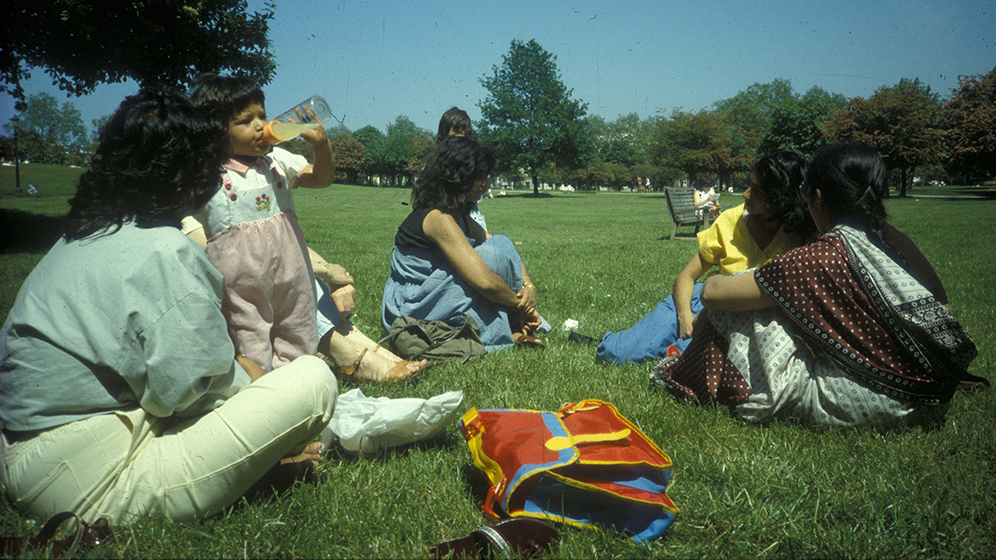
772,220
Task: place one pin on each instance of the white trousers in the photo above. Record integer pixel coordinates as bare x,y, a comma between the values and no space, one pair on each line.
128,463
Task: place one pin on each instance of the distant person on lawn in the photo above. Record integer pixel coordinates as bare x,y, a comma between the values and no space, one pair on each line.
704,198
772,220
445,263
849,330
121,393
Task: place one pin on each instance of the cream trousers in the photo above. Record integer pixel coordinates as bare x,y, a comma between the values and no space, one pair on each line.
128,463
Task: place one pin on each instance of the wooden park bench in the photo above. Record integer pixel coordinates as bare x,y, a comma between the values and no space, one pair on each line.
681,205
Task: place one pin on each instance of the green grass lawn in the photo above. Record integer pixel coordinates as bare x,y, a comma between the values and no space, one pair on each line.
604,259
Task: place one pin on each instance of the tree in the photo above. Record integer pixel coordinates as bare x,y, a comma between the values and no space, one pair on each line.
399,147
81,44
50,133
752,110
373,141
800,124
698,143
971,119
349,159
529,115
422,146
902,122
6,148
96,125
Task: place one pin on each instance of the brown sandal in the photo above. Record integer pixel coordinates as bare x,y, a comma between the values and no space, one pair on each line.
397,374
400,373
511,538
350,372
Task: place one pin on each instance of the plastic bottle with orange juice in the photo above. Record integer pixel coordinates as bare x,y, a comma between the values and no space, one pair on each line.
299,119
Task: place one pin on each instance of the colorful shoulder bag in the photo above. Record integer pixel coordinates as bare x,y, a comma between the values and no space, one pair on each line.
584,465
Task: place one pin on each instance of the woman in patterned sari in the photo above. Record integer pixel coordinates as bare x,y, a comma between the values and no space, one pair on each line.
850,330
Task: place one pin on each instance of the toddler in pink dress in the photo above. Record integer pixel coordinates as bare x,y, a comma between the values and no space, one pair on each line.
253,236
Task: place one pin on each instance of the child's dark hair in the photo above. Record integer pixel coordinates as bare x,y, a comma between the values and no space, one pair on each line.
158,159
445,181
852,179
455,121
780,175
225,96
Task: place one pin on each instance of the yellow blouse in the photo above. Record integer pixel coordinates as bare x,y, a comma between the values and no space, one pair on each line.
728,244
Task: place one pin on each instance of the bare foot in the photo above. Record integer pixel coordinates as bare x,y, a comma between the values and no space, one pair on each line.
358,358
354,335
313,452
360,340
375,367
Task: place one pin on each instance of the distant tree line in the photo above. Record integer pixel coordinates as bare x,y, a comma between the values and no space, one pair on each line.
540,132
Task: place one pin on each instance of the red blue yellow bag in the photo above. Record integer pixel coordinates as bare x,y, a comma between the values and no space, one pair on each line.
584,465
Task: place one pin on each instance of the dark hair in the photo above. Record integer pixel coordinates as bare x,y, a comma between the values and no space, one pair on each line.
455,165
158,158
852,179
225,96
456,121
780,175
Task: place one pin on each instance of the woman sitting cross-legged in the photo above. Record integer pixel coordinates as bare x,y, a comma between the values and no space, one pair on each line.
850,330
120,391
444,262
772,220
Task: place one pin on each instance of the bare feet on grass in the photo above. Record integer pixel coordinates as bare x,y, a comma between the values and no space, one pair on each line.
358,358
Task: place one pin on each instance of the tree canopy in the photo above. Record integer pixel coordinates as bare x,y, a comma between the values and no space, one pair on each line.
529,115
902,122
752,109
50,133
971,116
799,124
349,158
699,143
82,44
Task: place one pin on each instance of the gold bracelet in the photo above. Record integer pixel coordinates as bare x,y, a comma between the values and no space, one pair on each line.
529,285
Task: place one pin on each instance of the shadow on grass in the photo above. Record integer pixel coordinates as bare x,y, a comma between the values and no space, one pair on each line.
959,194
679,237
24,232
534,195
476,481
947,193
442,440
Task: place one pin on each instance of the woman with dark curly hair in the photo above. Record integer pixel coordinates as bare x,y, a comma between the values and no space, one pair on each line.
120,391
849,330
445,263
456,122
772,220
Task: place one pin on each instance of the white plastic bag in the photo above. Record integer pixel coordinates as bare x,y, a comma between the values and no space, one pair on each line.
367,424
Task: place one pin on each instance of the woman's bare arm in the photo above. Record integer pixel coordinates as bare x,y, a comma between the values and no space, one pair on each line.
734,293
443,230
684,289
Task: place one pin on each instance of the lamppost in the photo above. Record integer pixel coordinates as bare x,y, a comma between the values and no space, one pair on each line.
17,160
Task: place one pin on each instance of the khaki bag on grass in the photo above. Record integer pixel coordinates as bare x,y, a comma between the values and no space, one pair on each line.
455,338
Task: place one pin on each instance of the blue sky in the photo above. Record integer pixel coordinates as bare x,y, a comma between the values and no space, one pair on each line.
375,60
